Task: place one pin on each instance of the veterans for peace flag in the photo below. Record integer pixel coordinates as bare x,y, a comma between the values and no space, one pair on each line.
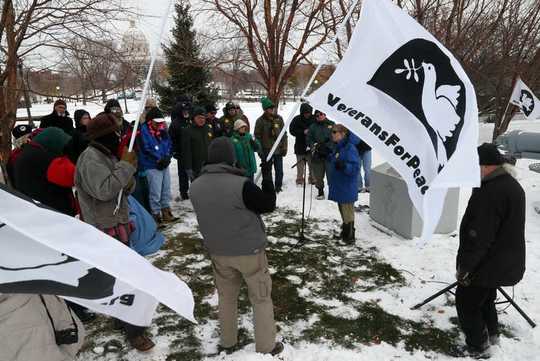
404,93
524,98
45,252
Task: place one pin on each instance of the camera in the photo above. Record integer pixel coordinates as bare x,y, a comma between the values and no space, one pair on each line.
66,337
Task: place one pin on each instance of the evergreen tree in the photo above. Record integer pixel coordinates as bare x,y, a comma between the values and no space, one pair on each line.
188,72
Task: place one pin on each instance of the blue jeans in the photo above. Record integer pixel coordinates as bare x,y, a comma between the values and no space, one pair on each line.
365,163
159,186
277,161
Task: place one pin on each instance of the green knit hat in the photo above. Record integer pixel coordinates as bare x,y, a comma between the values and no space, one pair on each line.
53,139
266,103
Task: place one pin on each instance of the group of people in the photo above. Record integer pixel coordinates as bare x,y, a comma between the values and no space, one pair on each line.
217,156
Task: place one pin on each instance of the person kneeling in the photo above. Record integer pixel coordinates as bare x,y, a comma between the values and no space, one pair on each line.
343,180
228,207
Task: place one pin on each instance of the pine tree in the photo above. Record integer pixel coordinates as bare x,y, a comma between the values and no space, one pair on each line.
188,72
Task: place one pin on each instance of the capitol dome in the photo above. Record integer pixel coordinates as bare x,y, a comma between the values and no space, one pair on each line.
134,44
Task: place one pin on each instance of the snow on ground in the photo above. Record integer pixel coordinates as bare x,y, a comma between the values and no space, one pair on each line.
425,271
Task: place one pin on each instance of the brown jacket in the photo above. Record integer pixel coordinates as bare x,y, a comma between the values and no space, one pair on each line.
267,129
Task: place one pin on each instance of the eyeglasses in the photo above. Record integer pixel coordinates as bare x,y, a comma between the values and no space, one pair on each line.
335,131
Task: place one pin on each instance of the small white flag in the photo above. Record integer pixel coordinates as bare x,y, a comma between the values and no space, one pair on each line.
404,93
524,98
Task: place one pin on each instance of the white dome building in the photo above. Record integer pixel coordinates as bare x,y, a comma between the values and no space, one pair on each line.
135,45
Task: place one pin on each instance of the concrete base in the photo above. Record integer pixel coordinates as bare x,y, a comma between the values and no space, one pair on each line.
391,206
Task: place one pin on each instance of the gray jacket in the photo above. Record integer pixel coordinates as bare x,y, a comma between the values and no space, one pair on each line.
26,333
228,227
99,179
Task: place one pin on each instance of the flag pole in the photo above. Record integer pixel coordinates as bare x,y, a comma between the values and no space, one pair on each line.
145,89
306,89
508,104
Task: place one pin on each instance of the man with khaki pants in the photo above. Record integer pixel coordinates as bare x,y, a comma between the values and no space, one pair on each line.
228,207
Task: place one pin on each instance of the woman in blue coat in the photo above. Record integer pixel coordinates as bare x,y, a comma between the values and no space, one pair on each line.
343,179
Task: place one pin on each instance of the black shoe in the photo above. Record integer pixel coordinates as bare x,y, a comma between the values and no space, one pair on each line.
320,195
348,233
278,348
184,196
477,353
278,190
227,350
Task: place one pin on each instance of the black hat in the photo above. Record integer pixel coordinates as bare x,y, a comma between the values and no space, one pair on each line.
489,155
221,150
306,108
230,105
21,130
111,103
198,110
156,115
211,108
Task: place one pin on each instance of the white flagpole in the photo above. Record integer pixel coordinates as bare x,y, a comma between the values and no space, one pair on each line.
306,89
145,89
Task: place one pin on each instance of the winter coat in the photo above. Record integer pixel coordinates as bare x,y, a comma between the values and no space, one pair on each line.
362,147
99,179
227,124
26,333
45,178
228,207
298,127
176,129
153,148
54,120
145,238
343,183
319,138
215,127
195,142
245,147
267,129
240,115
491,237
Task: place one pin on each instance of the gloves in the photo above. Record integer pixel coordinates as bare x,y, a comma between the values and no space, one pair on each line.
130,157
190,174
322,151
163,163
340,165
463,278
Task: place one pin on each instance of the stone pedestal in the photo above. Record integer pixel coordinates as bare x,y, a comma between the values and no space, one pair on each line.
391,206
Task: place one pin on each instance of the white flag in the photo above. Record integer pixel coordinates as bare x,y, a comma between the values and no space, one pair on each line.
524,98
406,95
45,252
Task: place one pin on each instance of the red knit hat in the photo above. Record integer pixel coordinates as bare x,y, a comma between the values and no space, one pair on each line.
102,124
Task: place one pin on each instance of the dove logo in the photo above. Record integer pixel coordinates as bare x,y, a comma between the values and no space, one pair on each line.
420,77
526,100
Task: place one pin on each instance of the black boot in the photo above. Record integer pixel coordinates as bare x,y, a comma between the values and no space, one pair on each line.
348,233
340,234
320,195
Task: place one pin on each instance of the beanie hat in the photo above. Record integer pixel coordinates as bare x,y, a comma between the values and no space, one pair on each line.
306,108
102,124
266,103
21,130
211,108
53,139
77,116
111,103
489,155
60,102
239,124
197,110
156,115
230,105
221,150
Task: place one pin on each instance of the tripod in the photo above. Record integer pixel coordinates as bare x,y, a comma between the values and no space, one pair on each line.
301,237
508,300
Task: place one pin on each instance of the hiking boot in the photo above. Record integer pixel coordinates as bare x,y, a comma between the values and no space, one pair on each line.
348,233
167,215
184,196
476,353
228,350
278,348
141,343
320,195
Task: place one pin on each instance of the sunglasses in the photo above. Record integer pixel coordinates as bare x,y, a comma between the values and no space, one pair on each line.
335,131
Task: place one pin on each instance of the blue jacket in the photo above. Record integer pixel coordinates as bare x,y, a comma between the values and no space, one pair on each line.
343,183
145,239
152,149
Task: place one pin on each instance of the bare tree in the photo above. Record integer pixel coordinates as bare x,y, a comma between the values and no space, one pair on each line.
30,25
278,34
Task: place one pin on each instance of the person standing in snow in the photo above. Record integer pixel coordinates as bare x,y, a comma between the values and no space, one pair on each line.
100,177
228,118
319,140
180,121
155,153
228,207
491,249
58,118
267,129
195,141
113,107
343,165
299,129
245,147
212,121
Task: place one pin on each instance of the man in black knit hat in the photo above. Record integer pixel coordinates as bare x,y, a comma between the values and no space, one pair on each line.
491,250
